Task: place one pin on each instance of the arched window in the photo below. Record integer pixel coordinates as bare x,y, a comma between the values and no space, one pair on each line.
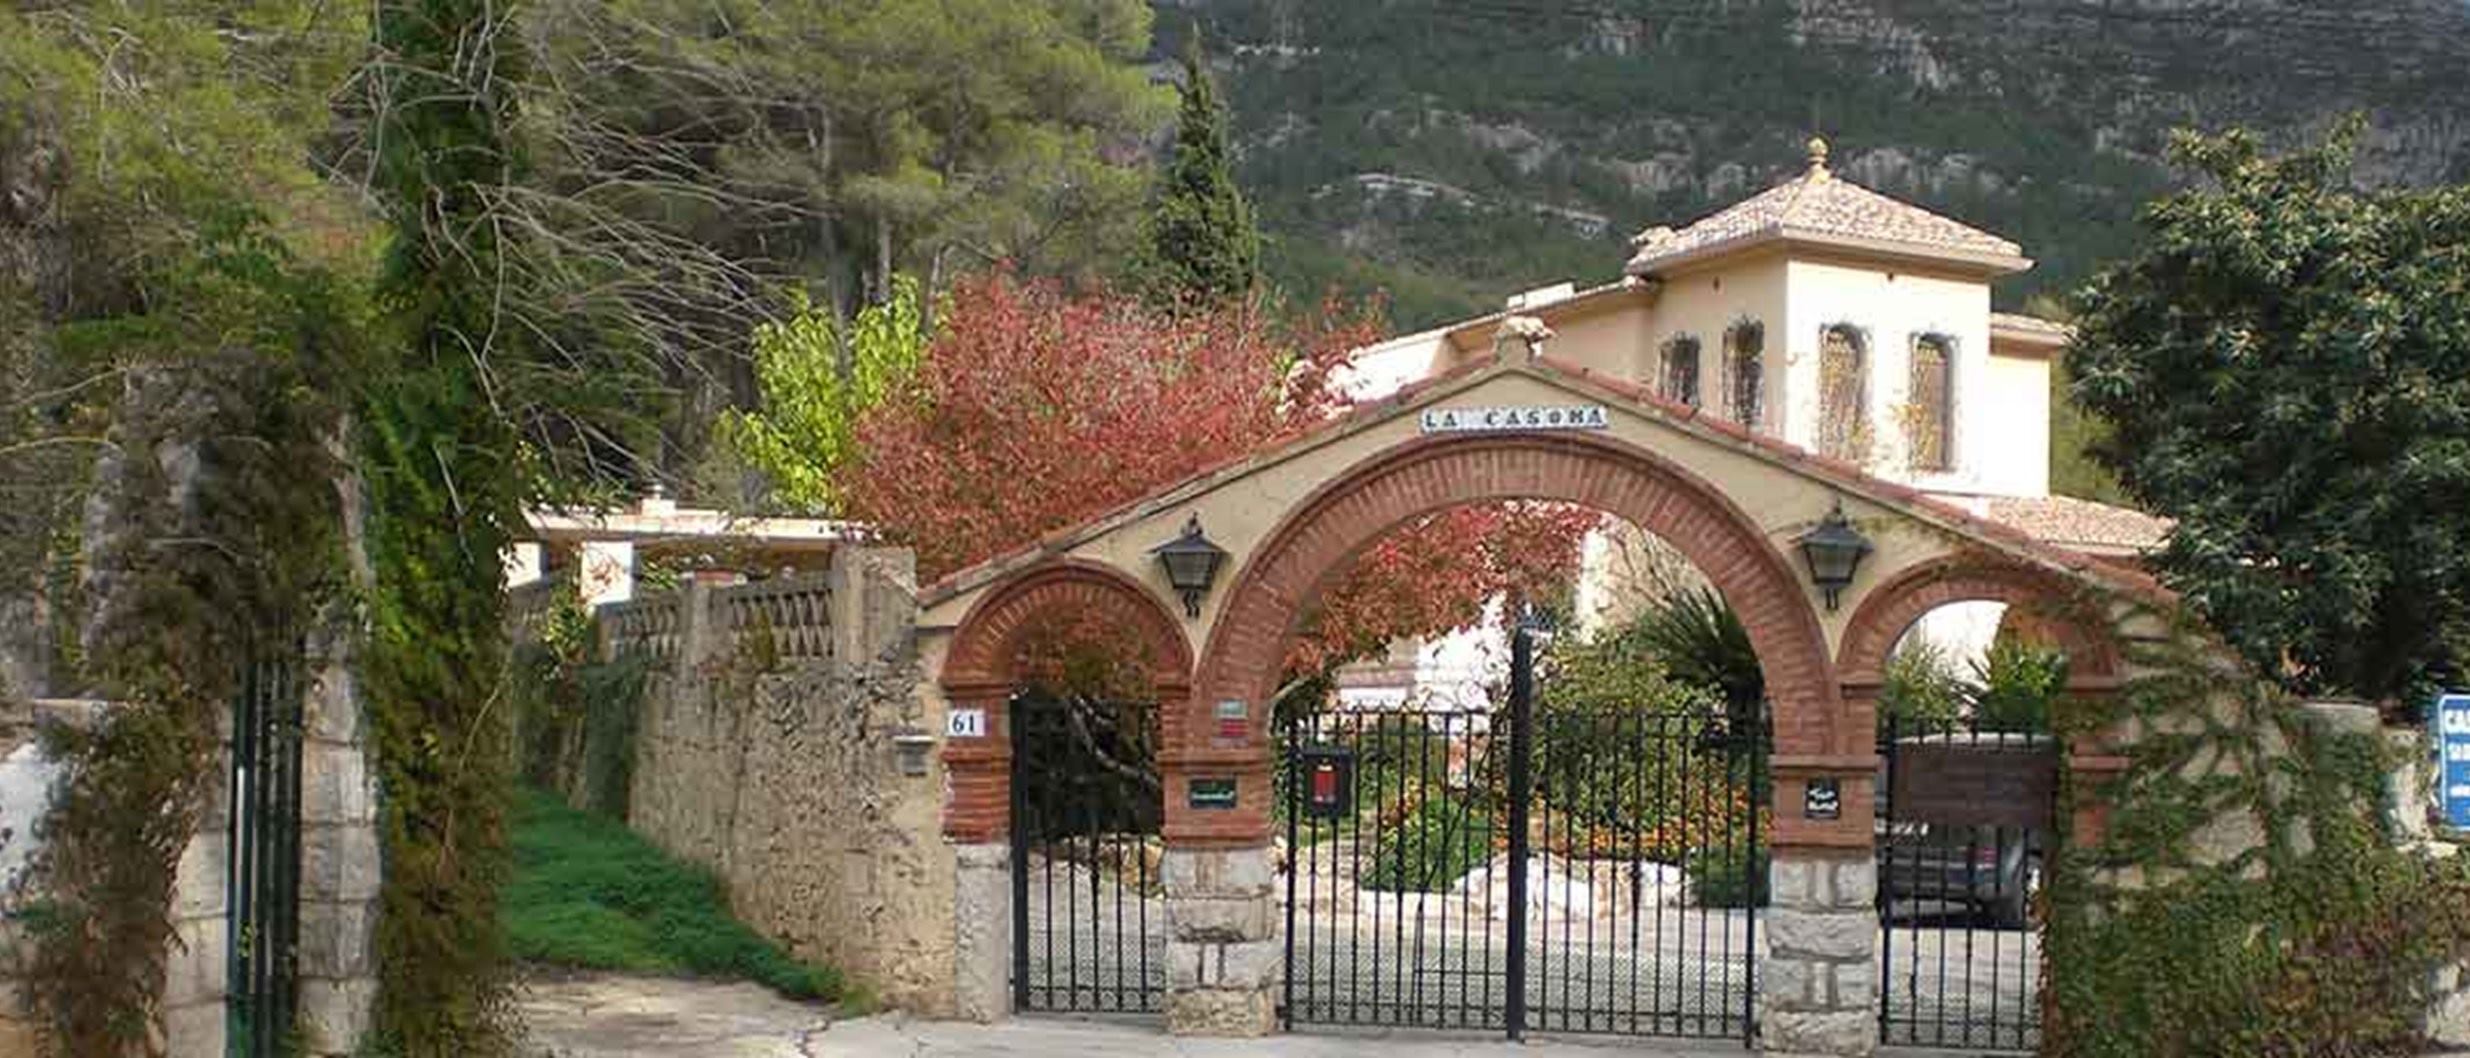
1843,391
1929,419
1680,381
1745,349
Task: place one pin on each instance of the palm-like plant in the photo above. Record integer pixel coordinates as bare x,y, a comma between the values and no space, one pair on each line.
1701,642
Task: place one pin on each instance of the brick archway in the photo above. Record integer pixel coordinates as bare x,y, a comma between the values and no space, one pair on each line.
1889,609
982,671
2094,666
1266,601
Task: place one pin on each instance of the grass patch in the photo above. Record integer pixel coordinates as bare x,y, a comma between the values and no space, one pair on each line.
589,893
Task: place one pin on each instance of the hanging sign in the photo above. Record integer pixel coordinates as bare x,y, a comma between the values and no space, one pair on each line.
1329,781
1491,420
2452,728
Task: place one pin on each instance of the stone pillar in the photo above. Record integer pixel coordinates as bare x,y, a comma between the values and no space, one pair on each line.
1820,977
340,865
1223,951
982,926
197,967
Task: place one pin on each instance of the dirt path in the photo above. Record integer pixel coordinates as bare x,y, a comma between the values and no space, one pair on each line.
614,1016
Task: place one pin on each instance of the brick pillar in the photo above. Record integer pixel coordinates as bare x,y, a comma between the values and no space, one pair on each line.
1820,977
1223,950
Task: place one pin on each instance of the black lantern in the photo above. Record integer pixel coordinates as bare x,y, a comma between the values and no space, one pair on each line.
1191,563
1834,550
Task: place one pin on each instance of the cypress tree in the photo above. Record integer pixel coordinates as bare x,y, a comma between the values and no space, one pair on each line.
1201,248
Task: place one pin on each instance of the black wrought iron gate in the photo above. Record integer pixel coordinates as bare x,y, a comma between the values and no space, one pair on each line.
1964,822
1580,867
1088,918
264,886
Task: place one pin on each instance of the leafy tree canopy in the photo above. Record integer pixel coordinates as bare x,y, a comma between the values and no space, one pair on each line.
2285,369
804,432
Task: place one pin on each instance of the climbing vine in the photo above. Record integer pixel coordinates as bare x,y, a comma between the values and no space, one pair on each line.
2247,896
204,546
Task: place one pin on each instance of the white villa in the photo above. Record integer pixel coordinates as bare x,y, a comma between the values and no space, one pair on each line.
1824,314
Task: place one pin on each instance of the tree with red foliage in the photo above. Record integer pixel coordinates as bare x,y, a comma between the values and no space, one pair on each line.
1035,408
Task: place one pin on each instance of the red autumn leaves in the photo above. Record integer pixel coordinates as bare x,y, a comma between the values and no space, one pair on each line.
1036,408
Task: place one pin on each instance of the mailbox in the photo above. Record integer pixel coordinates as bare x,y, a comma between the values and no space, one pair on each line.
1328,778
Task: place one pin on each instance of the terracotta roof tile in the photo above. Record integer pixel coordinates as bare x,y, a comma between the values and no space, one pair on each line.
1818,203
2071,522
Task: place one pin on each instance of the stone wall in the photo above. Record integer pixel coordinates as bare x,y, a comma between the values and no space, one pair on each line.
766,752
1819,981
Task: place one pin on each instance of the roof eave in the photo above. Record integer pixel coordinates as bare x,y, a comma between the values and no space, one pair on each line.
1986,264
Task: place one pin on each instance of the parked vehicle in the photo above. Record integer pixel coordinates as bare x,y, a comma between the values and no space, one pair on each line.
1992,871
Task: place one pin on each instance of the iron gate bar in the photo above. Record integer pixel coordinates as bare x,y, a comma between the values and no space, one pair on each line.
1556,799
264,834
1957,996
1073,801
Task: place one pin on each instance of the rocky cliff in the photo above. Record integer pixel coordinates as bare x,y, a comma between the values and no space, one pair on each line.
1455,151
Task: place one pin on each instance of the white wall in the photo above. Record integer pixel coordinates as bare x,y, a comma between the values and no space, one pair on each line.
1990,453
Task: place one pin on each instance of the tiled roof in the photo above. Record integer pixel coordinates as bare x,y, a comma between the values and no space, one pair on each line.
2080,524
1818,204
2032,325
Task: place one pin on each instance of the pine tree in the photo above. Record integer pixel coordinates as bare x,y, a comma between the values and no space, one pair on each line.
1201,249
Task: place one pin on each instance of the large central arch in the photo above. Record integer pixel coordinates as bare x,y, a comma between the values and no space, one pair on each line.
1311,547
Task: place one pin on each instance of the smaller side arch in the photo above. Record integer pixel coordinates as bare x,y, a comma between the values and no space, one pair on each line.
982,671
1887,610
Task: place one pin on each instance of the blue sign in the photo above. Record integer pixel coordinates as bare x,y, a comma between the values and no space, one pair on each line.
2453,758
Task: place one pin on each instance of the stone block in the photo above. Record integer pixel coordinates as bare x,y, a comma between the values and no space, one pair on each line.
195,967
1826,935
1856,884
1252,964
2448,1021
1218,872
1848,1033
1855,986
335,939
1792,984
1222,1012
194,1030
333,1014
202,876
1218,920
1187,965
1794,882
335,784
982,930
339,862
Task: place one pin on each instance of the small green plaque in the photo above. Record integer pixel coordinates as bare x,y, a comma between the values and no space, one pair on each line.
1213,793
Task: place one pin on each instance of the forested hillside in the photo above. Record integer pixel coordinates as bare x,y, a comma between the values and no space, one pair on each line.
1455,151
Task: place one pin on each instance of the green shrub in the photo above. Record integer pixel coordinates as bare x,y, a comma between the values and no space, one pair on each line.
1436,844
1728,877
587,892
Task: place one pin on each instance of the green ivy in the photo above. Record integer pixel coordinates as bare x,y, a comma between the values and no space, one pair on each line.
2319,941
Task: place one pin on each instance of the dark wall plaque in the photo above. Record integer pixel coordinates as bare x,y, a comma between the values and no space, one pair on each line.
1968,784
1212,793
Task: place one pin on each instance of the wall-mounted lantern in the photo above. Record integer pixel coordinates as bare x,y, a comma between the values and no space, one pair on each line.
1191,562
911,746
1834,550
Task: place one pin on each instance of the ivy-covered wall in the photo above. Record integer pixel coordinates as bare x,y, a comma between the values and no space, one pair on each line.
2251,892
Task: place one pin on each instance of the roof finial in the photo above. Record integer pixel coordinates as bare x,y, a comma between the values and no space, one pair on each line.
1818,156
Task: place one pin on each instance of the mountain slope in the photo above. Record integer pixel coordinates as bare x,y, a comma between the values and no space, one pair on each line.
1456,151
